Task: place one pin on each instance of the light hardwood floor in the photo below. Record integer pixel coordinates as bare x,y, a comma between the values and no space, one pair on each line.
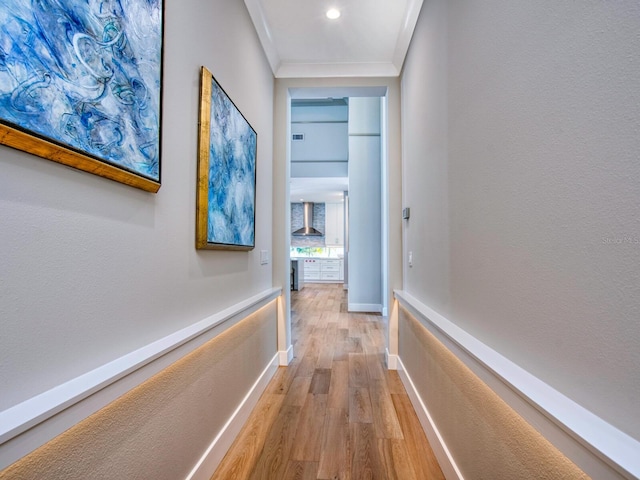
335,412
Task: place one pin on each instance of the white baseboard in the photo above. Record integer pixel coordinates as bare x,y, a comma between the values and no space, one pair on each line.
595,446
208,463
445,459
392,360
286,356
34,422
365,307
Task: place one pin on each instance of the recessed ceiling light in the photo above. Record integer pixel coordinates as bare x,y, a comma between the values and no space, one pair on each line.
333,13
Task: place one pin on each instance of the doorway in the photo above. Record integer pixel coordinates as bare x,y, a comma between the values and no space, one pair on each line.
288,91
336,152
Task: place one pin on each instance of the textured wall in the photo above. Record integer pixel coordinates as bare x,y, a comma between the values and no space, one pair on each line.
424,146
161,429
92,269
521,165
486,437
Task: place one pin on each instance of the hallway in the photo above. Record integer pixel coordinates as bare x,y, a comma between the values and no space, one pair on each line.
335,412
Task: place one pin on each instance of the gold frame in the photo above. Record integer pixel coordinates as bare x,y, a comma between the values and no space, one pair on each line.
204,138
14,133
202,195
26,142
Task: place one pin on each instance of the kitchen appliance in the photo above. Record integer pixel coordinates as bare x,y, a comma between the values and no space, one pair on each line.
307,229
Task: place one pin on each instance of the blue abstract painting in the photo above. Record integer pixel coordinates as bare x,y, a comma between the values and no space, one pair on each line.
232,174
85,74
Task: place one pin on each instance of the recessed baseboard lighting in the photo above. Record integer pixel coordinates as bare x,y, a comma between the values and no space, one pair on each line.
333,13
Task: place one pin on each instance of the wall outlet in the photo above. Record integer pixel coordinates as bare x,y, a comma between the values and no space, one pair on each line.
411,259
264,257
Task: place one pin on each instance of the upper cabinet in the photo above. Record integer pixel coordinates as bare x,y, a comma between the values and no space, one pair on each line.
334,224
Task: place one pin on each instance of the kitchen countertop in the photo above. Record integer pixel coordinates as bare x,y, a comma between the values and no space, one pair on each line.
317,258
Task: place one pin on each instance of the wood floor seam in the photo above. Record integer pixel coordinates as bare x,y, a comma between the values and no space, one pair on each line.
336,412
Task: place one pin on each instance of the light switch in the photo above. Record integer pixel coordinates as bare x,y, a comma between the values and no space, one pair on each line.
264,257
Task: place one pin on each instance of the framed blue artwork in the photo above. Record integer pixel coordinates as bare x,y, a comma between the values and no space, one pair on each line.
226,197
80,84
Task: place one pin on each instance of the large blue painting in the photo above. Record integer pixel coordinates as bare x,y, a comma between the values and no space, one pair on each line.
227,172
85,76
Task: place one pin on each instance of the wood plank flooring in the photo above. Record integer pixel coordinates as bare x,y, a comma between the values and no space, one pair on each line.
335,413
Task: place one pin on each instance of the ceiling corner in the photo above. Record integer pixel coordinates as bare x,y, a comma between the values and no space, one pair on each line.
406,33
336,70
304,62
254,7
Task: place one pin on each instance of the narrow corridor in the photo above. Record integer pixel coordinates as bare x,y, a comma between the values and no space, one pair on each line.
335,412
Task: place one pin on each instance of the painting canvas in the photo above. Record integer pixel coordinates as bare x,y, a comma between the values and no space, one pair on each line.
226,172
80,84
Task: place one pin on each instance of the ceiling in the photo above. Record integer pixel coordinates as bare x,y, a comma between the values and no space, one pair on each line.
318,190
370,38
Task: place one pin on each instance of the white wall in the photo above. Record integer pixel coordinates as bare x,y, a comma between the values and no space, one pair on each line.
92,269
520,139
425,161
322,142
325,149
365,205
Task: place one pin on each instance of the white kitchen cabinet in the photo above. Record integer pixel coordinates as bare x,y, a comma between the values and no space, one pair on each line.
330,270
330,276
323,270
334,224
311,269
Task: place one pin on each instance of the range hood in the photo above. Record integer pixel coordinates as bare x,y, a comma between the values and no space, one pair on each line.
307,229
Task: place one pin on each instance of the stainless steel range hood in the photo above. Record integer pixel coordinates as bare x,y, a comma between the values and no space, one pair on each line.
307,229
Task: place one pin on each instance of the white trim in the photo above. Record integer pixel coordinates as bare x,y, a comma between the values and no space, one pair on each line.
32,423
597,447
384,203
404,38
336,70
282,69
209,462
264,34
442,453
365,307
286,356
391,360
